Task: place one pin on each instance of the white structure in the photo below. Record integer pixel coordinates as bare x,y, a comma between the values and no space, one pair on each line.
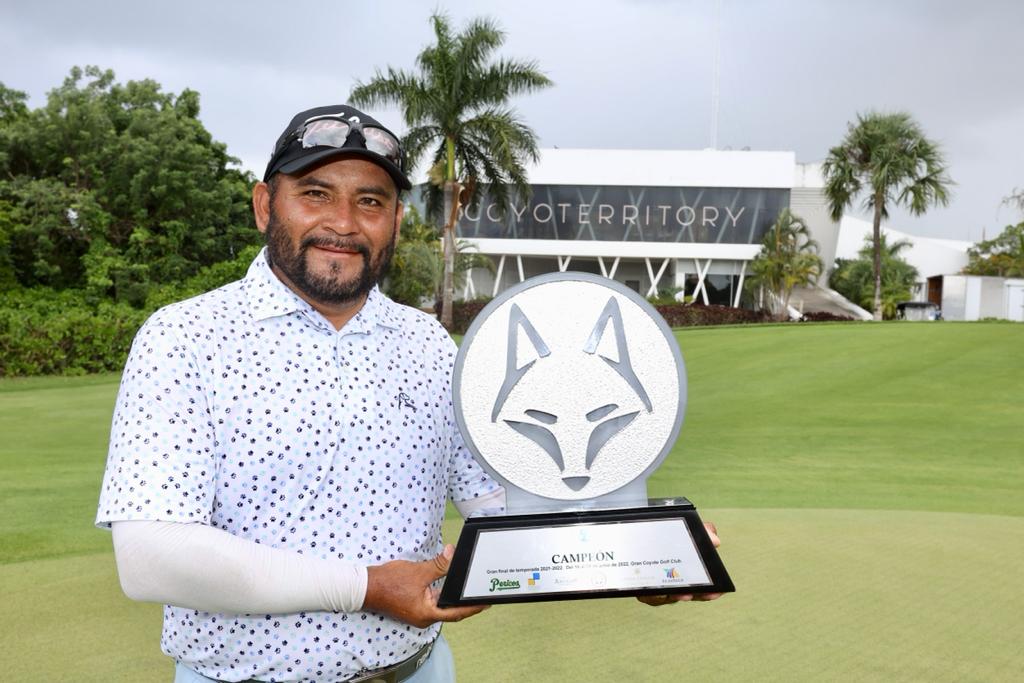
973,297
651,219
931,256
938,262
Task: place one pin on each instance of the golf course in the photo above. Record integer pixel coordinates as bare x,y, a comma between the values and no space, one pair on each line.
866,479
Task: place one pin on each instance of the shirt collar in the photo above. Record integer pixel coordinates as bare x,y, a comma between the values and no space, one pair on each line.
269,297
376,310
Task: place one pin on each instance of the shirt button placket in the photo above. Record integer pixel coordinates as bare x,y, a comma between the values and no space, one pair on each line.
341,356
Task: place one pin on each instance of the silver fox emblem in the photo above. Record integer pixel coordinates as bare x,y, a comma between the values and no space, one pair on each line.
547,415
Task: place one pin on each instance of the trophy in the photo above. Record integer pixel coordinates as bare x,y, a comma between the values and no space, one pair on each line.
570,390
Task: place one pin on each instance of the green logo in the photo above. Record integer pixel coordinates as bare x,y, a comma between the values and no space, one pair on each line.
501,585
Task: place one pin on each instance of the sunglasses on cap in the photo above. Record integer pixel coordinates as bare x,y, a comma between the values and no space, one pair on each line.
335,131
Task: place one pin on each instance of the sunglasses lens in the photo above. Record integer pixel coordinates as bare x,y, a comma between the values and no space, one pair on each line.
382,143
326,133
335,133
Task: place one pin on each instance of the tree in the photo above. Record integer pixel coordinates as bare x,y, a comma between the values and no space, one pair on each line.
116,187
417,267
888,157
456,105
1015,198
788,257
854,278
1002,256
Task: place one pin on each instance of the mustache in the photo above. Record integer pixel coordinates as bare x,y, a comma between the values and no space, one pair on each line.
336,243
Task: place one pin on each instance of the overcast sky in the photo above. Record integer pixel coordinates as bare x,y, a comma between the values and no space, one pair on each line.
628,74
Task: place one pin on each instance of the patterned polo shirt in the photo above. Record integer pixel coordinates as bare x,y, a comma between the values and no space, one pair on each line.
246,410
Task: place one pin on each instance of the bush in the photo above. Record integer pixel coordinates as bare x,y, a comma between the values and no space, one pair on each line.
43,332
824,316
463,313
73,332
209,278
676,315
692,315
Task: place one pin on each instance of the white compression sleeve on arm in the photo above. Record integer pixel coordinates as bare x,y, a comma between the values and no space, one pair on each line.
207,569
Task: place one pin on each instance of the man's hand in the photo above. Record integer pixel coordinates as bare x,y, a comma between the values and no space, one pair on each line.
403,590
659,600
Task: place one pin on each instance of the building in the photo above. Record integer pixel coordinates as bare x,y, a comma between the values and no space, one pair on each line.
651,219
929,255
939,263
975,297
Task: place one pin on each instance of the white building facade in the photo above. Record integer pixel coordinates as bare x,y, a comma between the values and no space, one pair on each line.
652,219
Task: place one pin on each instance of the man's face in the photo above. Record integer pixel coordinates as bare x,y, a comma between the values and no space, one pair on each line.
331,231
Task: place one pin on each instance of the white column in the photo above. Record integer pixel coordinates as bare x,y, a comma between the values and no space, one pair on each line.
497,276
739,288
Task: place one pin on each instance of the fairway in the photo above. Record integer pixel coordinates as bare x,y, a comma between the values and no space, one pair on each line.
867,481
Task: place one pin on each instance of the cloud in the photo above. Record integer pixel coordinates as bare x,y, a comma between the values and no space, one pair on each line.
628,74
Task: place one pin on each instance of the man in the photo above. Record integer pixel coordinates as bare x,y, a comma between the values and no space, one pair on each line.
282,447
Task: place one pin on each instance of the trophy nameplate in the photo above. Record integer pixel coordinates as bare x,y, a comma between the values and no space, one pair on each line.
570,390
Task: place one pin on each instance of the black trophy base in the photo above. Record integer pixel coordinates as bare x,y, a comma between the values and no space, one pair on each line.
659,549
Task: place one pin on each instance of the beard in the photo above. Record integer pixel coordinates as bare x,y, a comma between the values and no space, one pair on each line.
332,287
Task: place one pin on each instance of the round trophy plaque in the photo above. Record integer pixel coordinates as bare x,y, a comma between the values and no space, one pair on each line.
569,387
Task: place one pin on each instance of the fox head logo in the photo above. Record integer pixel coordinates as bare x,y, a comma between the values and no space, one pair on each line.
603,416
569,387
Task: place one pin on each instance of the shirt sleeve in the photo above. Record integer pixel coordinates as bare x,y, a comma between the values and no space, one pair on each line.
468,481
161,462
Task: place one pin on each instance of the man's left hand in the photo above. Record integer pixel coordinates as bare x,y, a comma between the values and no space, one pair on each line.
404,590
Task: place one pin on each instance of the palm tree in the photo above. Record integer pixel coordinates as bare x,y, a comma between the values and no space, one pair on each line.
788,257
456,105
854,279
890,157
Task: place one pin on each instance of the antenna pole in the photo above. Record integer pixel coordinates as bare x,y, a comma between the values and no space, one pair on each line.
716,74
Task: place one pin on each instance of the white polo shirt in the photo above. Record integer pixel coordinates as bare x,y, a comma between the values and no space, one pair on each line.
246,410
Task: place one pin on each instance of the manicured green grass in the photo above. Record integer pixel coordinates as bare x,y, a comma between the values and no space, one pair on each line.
897,416
868,482
53,450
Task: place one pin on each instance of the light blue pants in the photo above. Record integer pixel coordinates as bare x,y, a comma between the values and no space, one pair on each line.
439,668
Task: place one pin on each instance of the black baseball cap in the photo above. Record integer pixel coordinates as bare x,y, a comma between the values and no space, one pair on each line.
295,151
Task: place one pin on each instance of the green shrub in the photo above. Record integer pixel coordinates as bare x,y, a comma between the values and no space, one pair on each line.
209,278
665,296
73,332
43,332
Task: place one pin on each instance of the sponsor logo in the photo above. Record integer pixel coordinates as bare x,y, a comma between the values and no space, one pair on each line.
534,579
671,573
504,585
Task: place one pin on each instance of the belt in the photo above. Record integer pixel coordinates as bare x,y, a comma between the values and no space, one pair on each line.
396,673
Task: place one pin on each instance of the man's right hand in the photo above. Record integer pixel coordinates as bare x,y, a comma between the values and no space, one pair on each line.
404,590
